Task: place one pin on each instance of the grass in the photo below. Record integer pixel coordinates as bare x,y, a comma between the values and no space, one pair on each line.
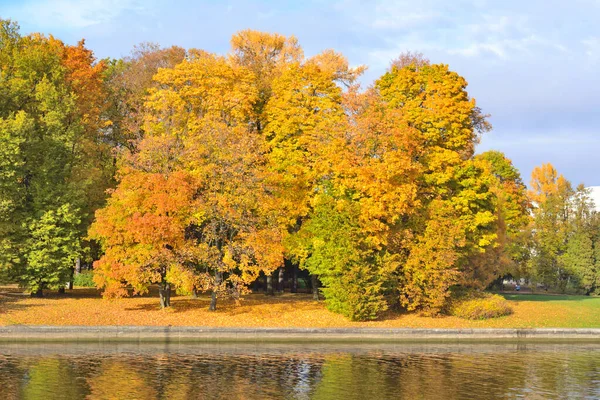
84,306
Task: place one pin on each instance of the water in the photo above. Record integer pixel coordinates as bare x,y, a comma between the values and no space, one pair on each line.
300,371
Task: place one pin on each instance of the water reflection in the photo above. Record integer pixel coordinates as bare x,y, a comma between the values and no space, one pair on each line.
300,371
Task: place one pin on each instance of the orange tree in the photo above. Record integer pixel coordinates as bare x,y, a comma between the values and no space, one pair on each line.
395,206
217,232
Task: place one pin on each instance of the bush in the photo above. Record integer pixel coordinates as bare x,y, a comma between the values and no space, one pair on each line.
478,305
84,279
356,300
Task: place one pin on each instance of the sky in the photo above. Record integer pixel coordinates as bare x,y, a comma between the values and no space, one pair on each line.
531,64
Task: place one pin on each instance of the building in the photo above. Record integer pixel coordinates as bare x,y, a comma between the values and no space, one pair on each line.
595,195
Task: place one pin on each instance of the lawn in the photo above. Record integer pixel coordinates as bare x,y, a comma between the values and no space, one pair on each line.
86,307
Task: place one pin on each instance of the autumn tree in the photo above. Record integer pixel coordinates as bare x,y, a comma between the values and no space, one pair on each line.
511,252
128,82
455,215
52,153
266,56
223,234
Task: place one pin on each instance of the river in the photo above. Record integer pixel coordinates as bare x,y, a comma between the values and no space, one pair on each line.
300,371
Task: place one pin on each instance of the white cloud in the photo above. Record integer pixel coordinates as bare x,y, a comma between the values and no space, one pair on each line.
468,28
71,13
592,48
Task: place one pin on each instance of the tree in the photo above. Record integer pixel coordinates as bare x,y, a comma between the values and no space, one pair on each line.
338,251
221,233
128,82
580,257
266,56
454,216
550,194
143,231
52,153
510,254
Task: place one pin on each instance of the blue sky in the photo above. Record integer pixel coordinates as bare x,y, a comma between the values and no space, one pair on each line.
532,64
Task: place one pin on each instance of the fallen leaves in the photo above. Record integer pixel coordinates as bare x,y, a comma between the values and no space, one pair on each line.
86,307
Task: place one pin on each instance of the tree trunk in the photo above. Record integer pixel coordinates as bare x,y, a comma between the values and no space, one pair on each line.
194,293
280,281
69,285
213,301
168,295
164,292
213,296
270,291
295,279
315,287
77,266
38,293
61,290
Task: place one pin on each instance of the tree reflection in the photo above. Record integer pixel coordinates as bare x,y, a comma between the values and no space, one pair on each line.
401,372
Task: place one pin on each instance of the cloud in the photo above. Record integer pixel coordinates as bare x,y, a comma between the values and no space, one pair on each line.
71,14
466,28
592,48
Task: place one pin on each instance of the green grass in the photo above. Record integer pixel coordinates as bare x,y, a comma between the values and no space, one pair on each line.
547,310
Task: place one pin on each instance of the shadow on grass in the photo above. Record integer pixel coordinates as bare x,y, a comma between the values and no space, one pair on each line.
285,302
544,297
12,302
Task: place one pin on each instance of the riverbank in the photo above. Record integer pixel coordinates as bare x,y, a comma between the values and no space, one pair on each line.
85,307
179,334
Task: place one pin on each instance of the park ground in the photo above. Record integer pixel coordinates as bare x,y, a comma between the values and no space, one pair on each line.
84,306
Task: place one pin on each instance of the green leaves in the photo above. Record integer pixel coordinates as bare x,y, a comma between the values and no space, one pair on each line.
51,247
50,154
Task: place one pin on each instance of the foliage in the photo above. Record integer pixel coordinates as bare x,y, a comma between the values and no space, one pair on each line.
565,232
54,162
224,165
453,218
352,275
128,82
84,279
510,254
475,305
191,206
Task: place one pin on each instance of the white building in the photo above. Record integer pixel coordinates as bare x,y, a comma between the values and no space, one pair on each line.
595,195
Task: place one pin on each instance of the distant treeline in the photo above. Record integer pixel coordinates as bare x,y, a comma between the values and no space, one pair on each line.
203,172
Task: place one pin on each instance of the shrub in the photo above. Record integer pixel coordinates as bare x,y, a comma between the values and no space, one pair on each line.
356,299
84,279
478,305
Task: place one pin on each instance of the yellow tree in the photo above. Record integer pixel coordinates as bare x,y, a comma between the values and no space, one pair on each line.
510,254
265,55
224,233
365,186
455,217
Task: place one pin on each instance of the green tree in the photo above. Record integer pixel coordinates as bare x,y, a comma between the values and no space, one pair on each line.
550,194
52,154
580,256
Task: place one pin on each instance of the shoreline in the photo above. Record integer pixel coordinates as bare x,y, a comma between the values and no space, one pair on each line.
182,334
